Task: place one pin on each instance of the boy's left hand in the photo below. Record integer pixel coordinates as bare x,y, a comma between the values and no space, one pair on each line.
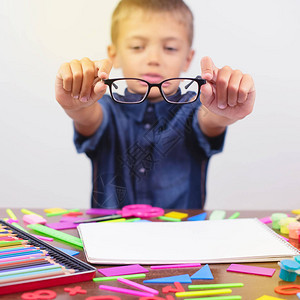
228,93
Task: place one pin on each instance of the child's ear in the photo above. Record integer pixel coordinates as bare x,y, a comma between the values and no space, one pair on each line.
112,54
189,59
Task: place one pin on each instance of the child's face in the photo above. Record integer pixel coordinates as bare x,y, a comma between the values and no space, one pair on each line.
151,47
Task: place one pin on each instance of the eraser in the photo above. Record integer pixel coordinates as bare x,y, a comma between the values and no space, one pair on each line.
34,219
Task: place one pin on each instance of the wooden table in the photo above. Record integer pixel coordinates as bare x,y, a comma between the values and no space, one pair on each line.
254,286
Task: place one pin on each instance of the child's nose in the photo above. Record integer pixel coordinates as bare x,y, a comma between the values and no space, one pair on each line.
153,56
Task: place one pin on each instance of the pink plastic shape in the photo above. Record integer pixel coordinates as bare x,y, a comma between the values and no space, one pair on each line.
266,220
175,266
43,238
141,211
139,286
34,219
123,270
251,270
124,291
101,211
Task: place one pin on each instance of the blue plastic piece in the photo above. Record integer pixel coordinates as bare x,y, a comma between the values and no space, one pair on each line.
204,273
179,278
297,259
68,251
199,217
288,270
298,295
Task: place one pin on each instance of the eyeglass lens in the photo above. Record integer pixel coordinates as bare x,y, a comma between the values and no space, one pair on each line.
169,89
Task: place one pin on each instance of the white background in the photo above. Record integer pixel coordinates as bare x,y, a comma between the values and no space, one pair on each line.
39,167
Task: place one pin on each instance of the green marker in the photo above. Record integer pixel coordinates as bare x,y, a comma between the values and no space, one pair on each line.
214,286
234,216
133,220
109,278
169,219
59,213
57,234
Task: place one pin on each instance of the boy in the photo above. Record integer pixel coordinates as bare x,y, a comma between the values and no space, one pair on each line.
153,152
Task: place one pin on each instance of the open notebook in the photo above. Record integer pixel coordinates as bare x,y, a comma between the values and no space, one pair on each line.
219,241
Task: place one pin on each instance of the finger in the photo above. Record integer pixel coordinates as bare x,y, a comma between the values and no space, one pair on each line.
207,94
102,70
77,77
208,69
222,85
88,71
233,87
246,88
65,77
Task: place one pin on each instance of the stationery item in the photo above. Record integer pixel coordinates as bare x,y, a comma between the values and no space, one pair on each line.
101,211
54,210
276,217
235,215
29,212
111,278
168,219
11,214
185,278
140,210
176,215
231,297
34,219
199,217
123,270
62,225
214,286
291,289
217,215
138,286
204,293
242,240
57,234
27,272
251,270
63,212
99,219
174,266
289,269
125,291
204,274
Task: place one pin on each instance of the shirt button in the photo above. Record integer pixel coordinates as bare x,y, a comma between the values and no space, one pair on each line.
142,170
149,109
147,126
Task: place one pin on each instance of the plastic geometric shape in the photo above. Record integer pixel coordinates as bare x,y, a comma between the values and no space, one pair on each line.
74,291
68,251
169,289
291,289
123,270
178,278
204,273
266,297
251,270
176,215
199,217
217,215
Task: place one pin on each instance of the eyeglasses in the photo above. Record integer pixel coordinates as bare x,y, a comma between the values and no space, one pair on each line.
172,90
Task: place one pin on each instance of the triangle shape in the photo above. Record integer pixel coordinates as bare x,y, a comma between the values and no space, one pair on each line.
179,278
203,273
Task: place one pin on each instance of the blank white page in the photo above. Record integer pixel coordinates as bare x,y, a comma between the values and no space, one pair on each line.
211,241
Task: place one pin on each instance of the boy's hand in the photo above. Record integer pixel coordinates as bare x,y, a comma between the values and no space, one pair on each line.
227,93
74,87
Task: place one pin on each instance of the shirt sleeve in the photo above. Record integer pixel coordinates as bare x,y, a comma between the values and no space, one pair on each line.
210,145
89,144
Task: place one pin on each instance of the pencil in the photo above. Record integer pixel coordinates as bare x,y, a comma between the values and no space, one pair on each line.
40,274
9,243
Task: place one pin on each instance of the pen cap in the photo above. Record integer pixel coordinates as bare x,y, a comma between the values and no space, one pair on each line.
284,223
276,217
294,230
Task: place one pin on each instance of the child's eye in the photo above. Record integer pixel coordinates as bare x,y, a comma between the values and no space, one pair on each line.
171,49
136,48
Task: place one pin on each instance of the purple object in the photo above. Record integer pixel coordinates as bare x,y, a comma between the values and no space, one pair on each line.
12,221
70,219
174,266
138,286
123,270
251,270
101,211
62,225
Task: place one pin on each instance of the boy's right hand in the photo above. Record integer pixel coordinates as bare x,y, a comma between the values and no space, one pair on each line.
74,88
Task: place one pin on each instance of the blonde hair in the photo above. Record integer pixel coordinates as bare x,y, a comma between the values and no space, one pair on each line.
177,8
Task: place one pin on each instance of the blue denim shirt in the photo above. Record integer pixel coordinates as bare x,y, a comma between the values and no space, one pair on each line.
150,153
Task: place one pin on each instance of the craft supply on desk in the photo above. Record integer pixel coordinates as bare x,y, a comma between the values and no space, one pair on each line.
204,274
125,291
29,212
289,269
251,270
214,286
34,219
22,267
157,267
199,217
123,270
217,215
113,278
235,215
11,214
138,286
176,215
276,217
284,224
57,234
59,213
204,293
